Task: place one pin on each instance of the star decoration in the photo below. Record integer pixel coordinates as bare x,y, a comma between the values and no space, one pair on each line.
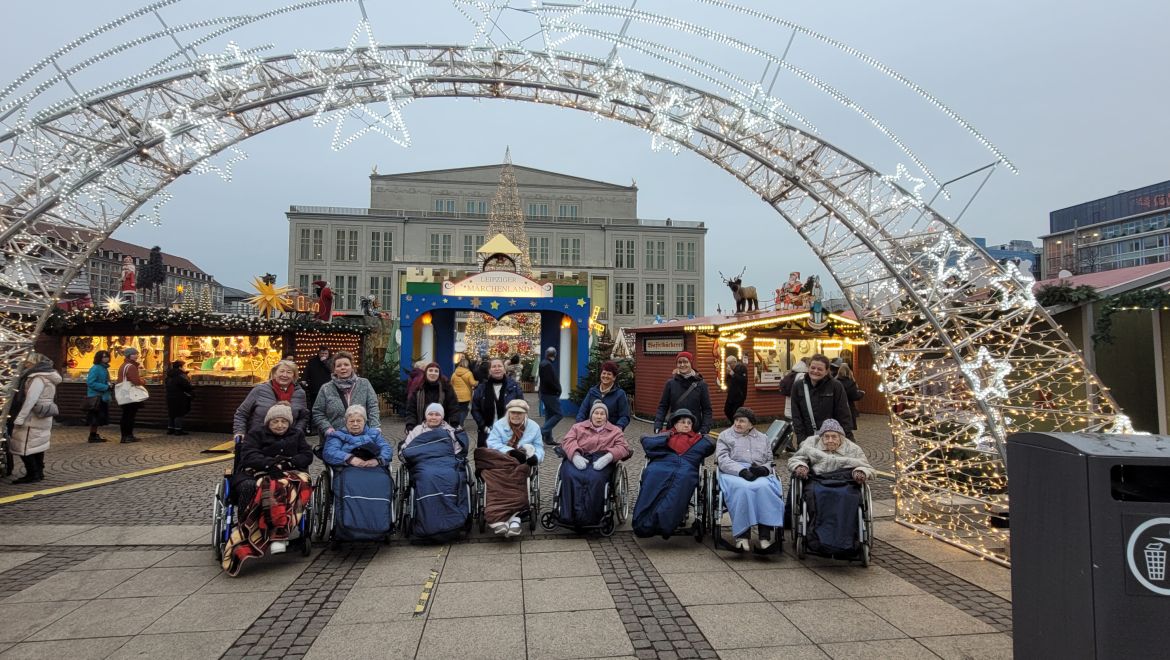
945,265
476,302
915,197
532,303
112,304
495,305
615,83
512,302
271,298
1015,287
580,302
222,71
987,375
445,301
895,370
155,216
671,122
409,298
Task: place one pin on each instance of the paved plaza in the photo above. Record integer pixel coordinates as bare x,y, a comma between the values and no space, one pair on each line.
125,570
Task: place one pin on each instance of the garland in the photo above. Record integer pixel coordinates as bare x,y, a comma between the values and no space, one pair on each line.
1145,299
1065,294
60,320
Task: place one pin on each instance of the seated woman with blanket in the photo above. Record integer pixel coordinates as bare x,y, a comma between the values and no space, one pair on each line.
592,449
671,476
514,446
271,486
828,463
358,445
750,488
436,456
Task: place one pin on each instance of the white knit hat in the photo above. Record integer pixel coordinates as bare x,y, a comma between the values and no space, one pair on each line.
435,407
279,410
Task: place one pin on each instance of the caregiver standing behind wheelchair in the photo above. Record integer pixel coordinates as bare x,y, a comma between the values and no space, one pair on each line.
282,386
345,389
749,487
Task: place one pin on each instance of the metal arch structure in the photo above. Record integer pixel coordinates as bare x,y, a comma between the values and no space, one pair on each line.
965,354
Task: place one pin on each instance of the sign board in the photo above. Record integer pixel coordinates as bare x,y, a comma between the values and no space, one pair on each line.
1145,554
664,345
498,284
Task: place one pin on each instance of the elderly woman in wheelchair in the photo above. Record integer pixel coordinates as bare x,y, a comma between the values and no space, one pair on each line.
830,451
591,486
748,485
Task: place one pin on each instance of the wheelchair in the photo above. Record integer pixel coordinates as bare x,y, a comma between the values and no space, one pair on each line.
225,513
698,507
616,507
801,518
531,515
405,498
324,512
718,508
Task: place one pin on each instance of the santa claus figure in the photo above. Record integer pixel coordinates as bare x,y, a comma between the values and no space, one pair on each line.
324,300
129,292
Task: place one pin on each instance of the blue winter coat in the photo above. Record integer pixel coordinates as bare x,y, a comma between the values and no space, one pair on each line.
615,399
501,435
340,445
97,382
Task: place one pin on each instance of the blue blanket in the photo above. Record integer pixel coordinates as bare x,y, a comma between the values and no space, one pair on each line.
667,485
751,503
363,509
834,504
582,499
438,476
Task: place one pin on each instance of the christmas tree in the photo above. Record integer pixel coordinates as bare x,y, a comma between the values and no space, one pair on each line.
205,299
507,217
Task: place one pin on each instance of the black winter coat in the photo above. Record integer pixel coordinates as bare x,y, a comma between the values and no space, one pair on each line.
697,400
854,394
550,381
737,384
180,391
261,450
829,400
481,410
441,393
317,373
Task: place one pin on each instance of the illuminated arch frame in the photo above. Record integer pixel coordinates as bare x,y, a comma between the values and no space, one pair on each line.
962,347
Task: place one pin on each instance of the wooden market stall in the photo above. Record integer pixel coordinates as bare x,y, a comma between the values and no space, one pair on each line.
225,355
770,342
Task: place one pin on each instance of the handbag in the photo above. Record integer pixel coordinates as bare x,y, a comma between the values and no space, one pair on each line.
89,405
126,392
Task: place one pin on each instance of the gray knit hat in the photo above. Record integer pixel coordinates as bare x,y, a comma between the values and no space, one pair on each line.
279,410
596,405
831,425
130,351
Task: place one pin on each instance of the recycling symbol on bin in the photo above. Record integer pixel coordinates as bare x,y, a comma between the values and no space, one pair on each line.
1146,552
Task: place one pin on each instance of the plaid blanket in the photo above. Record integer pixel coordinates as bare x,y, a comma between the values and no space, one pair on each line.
273,515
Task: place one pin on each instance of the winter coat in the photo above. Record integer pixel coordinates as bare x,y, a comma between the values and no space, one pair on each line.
737,385
585,438
31,431
698,400
464,384
615,399
735,451
439,392
250,414
340,445
550,381
481,409
179,393
261,447
790,379
501,435
813,455
317,373
854,394
828,401
97,382
329,408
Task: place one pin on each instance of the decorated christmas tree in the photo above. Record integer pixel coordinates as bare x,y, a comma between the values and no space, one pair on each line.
507,217
205,304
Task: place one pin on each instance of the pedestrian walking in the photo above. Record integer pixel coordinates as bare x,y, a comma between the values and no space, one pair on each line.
97,395
130,405
32,424
737,381
685,389
844,375
817,397
550,395
179,391
464,383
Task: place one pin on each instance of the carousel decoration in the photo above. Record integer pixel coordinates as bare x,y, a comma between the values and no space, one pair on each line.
77,161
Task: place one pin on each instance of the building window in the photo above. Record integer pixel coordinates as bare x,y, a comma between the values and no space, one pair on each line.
538,249
623,298
305,244
684,299
471,243
570,252
623,253
440,248
537,210
567,211
655,255
381,246
477,207
655,299
302,283
318,252
443,205
684,252
381,290
347,245
345,293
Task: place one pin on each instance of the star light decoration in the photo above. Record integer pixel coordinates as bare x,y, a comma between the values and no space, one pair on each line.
113,304
1015,288
945,267
271,297
987,375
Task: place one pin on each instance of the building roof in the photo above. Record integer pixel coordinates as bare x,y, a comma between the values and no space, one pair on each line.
576,180
232,293
139,252
1109,282
721,321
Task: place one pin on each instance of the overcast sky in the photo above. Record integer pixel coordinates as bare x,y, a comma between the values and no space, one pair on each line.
1073,93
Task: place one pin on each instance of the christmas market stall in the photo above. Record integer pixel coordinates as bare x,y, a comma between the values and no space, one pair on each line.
770,343
224,355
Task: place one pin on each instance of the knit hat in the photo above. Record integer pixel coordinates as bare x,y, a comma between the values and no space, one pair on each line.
744,411
831,425
279,410
596,405
435,407
685,354
610,366
130,351
683,412
517,404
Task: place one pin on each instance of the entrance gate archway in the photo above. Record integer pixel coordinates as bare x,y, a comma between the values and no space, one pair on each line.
965,353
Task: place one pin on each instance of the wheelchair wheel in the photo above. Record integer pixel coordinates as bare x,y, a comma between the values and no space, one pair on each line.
322,507
218,514
798,547
406,515
480,503
7,465
534,500
697,530
622,495
607,526
307,531
547,520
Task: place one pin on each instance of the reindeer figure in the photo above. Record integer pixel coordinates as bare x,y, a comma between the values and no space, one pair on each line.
745,296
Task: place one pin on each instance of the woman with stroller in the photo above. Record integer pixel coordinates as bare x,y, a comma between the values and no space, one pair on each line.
434,388
281,386
272,488
514,446
592,449
436,456
344,390
673,460
608,392
750,488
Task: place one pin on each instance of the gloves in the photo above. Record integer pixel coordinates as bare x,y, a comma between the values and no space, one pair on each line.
519,455
760,470
605,460
747,475
529,450
532,460
579,462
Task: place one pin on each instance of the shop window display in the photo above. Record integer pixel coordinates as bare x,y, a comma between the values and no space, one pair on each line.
79,353
241,360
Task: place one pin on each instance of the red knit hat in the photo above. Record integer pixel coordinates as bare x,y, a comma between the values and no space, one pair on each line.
685,354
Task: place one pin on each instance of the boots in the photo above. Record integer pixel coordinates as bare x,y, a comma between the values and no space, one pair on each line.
34,469
94,437
126,439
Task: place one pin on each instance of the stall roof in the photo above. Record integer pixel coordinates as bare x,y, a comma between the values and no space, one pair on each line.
739,321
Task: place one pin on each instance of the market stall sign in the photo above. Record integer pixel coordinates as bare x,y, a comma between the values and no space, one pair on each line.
498,284
664,345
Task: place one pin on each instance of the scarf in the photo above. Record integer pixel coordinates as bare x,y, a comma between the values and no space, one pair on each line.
517,433
345,383
605,390
282,395
682,442
490,396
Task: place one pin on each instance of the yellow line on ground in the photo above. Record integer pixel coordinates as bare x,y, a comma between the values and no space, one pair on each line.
56,490
425,596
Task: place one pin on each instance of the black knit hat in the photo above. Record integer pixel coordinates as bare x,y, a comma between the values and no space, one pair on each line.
683,412
744,411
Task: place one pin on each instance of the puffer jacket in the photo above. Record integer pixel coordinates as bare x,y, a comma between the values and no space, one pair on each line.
260,449
464,383
250,415
30,431
615,400
340,445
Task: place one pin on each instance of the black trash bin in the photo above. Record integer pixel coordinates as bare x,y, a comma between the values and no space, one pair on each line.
1090,521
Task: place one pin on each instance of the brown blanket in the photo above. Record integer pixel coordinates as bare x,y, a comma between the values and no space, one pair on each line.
507,484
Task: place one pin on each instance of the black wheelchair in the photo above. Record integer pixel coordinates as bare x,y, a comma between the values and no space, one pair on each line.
616,503
803,523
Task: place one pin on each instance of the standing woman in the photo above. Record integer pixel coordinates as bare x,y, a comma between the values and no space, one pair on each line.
345,389
434,388
97,395
180,391
128,373
491,398
33,423
281,386
737,383
685,389
607,391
